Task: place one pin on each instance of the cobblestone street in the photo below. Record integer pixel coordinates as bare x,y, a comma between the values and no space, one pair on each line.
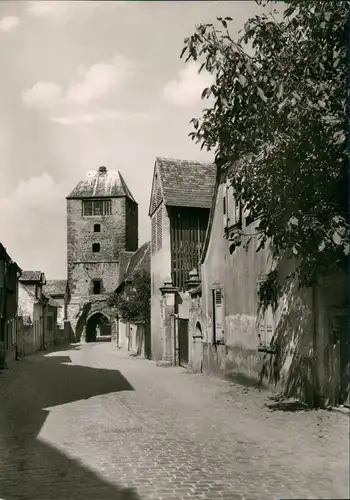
92,423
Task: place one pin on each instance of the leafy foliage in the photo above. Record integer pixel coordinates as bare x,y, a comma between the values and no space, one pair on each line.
133,300
278,125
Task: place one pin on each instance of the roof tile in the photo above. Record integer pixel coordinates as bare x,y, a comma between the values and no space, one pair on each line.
55,287
187,183
31,276
140,260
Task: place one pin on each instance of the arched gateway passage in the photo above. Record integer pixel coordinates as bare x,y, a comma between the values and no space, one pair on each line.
98,327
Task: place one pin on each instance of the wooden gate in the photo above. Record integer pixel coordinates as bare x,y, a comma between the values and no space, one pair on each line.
183,342
339,356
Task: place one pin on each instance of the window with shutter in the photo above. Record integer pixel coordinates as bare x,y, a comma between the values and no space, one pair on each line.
266,296
218,311
159,228
224,200
154,234
234,210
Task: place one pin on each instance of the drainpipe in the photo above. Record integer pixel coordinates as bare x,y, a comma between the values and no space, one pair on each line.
176,340
316,396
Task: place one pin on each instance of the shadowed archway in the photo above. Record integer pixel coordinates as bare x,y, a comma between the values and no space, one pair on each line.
98,326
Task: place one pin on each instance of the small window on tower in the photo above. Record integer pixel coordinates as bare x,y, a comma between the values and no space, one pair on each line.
95,247
97,228
97,287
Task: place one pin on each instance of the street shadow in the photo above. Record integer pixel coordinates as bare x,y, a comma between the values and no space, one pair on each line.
278,404
31,469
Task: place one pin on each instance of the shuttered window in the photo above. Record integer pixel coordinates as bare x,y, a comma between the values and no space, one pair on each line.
156,193
224,199
266,326
154,234
232,208
266,297
157,230
218,310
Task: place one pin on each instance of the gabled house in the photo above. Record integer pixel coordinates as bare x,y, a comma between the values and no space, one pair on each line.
51,310
57,290
9,274
32,303
179,209
134,336
250,322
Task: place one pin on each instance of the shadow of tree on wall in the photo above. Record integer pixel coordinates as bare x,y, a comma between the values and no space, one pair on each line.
32,469
291,366
308,364
81,323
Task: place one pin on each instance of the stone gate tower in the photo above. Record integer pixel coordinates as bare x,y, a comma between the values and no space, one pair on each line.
102,222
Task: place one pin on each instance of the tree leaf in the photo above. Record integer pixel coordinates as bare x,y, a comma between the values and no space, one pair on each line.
261,94
242,80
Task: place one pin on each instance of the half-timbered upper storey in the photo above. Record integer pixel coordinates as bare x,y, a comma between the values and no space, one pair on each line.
181,198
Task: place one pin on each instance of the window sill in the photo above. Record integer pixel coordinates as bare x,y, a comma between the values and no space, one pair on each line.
233,228
219,342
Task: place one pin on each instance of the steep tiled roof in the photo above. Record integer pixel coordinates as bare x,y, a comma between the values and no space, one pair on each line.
101,183
5,256
186,183
31,276
52,302
140,260
29,292
55,287
124,259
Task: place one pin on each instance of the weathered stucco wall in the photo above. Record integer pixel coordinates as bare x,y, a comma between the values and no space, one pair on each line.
302,319
237,274
160,271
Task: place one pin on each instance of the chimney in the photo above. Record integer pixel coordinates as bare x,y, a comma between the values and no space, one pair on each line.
102,170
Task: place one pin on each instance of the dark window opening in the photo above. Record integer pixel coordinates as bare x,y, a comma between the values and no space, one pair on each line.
97,286
97,228
95,247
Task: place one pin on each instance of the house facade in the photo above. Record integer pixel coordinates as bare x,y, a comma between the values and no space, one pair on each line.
179,209
9,275
37,314
102,221
57,290
31,310
249,322
135,337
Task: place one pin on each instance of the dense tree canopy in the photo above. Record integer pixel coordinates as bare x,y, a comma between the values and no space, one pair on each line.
277,124
133,300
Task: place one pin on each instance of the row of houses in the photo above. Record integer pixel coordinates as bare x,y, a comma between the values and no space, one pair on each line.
220,306
217,304
31,311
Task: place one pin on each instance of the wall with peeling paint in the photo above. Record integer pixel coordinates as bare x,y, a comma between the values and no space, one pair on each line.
304,356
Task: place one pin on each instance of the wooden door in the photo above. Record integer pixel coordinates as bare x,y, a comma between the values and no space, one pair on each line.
183,342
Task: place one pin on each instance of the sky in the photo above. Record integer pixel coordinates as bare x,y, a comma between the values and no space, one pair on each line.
85,84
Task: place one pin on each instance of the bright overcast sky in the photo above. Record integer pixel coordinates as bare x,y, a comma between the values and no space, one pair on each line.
89,84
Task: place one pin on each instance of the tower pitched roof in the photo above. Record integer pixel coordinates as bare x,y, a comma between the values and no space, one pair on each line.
101,183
